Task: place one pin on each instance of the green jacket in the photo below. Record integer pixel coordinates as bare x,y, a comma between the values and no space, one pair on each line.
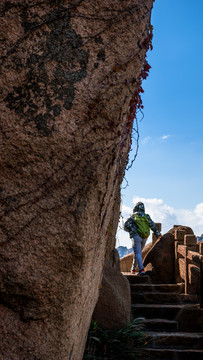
130,224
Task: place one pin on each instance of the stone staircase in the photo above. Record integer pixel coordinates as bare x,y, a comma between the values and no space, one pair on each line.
159,304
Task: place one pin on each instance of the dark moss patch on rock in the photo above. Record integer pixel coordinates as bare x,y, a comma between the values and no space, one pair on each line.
44,91
101,55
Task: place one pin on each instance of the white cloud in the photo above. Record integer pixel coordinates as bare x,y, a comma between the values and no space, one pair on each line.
146,140
194,218
164,214
126,210
199,211
165,137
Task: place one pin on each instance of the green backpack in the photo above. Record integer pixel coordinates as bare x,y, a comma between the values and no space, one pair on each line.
142,224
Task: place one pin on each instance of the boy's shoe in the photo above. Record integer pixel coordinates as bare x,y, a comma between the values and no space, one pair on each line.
133,272
141,272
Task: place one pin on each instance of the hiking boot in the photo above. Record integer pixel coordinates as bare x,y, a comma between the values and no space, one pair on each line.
141,272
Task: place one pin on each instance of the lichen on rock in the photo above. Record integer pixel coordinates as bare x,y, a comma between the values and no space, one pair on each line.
68,75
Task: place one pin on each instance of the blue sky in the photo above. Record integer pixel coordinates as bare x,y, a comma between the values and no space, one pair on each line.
168,171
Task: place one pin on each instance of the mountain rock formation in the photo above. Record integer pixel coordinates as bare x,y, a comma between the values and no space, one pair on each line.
69,76
123,251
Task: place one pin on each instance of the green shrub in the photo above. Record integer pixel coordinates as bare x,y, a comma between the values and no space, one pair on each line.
122,344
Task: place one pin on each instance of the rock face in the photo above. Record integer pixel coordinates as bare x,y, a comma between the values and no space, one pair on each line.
159,262
70,70
113,307
114,304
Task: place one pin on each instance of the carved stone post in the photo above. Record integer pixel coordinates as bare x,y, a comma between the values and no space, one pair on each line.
201,283
179,239
190,241
201,248
154,238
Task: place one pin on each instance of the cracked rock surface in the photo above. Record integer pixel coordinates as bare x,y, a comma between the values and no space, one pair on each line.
68,72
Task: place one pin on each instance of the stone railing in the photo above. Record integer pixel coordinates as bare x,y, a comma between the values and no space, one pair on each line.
154,238
189,263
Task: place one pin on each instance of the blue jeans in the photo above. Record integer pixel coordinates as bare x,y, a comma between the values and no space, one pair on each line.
138,244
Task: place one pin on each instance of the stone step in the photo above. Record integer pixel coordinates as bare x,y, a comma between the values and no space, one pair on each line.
160,325
134,279
162,298
174,340
188,298
153,311
174,288
171,354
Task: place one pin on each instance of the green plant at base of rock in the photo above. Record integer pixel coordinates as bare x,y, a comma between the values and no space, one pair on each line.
122,344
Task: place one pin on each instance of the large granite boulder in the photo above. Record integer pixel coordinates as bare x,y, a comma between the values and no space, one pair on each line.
159,262
113,308
70,76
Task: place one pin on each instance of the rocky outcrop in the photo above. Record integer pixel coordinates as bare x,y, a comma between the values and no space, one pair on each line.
159,262
113,308
123,251
69,78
